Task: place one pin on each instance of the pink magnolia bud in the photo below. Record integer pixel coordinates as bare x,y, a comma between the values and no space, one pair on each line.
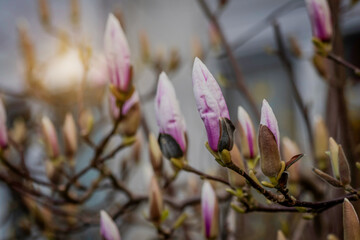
155,201
108,228
210,211
249,146
212,108
3,129
169,119
70,135
117,55
320,18
50,137
268,119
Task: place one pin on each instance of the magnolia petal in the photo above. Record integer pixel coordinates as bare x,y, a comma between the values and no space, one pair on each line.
108,228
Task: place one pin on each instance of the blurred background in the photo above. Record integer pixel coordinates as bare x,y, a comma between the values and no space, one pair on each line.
174,33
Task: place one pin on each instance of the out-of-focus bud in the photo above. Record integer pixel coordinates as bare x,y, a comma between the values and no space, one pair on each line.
249,147
108,228
155,154
3,129
131,116
27,50
53,169
136,149
210,211
18,131
334,156
86,122
289,150
269,137
320,65
280,235
50,138
235,179
320,17
321,142
117,55
155,201
350,221
172,139
75,12
331,237
44,12
174,61
214,37
212,108
144,46
197,48
294,47
344,169
70,135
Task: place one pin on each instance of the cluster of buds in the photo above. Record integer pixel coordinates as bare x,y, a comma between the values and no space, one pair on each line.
213,111
108,228
172,137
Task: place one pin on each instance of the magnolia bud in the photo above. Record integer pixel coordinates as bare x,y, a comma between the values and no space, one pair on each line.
3,129
53,169
86,122
320,16
210,211
334,156
155,201
350,221
155,154
70,135
50,138
269,145
249,147
280,235
75,13
144,46
235,179
212,108
344,169
44,12
172,138
117,53
321,144
108,228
